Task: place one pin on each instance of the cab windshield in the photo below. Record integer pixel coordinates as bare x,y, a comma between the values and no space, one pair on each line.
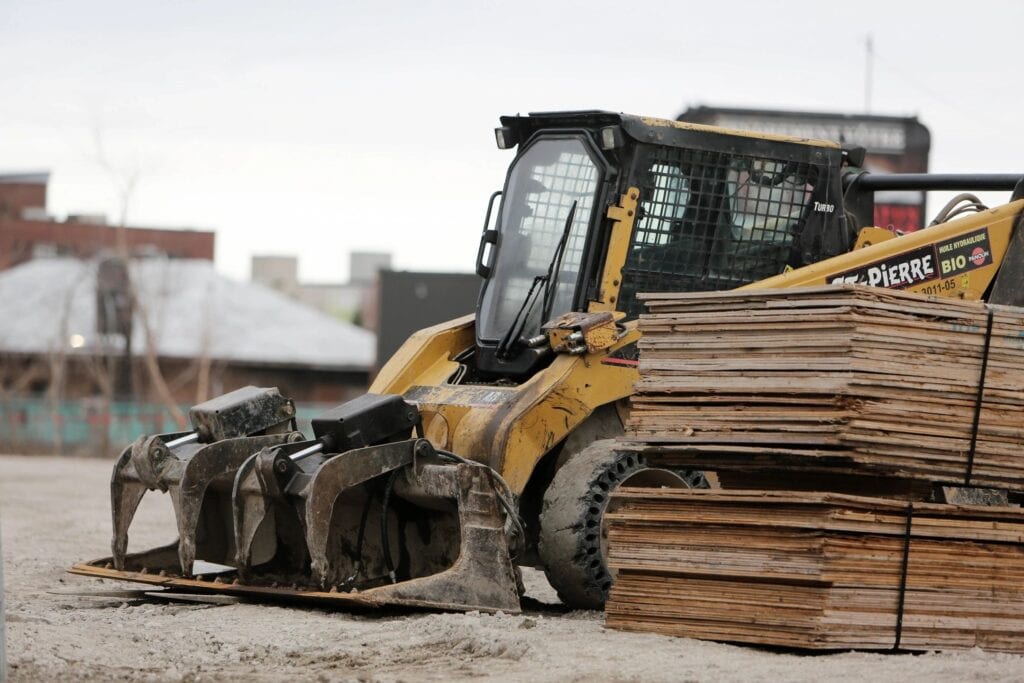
548,199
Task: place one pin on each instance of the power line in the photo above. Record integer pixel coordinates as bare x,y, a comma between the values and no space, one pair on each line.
936,95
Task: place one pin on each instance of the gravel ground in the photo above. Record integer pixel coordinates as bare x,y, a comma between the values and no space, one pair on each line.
54,512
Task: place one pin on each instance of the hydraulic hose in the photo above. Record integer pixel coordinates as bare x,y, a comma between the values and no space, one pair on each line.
953,207
504,492
385,540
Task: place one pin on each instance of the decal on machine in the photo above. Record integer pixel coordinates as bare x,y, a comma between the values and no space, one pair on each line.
965,253
944,259
895,272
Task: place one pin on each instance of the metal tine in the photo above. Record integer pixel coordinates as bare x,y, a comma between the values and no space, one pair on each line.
140,468
211,472
336,476
125,495
259,503
249,508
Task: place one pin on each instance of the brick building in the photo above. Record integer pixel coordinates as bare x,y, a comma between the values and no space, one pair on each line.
28,230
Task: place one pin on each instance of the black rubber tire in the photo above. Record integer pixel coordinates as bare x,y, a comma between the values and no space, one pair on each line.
570,545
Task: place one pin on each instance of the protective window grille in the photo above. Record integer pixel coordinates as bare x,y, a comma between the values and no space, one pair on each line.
572,178
713,220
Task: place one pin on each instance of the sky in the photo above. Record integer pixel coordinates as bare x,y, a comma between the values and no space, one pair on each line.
320,127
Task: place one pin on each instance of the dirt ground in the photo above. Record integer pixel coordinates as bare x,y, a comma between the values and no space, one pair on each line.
54,512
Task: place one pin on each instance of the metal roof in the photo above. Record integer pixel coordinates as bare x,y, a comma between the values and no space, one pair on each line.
32,178
192,311
662,131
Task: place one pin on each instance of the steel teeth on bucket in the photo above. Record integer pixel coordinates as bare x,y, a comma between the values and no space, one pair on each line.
196,468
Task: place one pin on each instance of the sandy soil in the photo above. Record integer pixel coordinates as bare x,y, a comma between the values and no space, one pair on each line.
54,511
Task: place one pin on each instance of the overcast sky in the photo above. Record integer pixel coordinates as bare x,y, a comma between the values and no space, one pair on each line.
319,127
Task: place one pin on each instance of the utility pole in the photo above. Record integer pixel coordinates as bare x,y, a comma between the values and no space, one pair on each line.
3,660
869,65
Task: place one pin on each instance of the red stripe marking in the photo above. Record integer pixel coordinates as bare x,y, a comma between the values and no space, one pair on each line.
625,362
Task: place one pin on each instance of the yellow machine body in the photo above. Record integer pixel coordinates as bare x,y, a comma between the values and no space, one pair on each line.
958,259
512,428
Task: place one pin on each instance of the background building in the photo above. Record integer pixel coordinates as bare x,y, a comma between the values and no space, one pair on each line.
345,300
27,230
894,144
391,303
409,301
88,367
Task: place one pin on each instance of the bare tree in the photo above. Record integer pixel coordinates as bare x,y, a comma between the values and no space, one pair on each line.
126,179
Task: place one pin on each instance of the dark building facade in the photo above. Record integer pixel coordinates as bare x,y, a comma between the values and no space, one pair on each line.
409,301
894,144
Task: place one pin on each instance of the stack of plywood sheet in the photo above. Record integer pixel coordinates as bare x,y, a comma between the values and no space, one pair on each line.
817,570
851,379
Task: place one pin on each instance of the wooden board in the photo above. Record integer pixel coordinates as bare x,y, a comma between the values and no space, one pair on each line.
862,379
816,570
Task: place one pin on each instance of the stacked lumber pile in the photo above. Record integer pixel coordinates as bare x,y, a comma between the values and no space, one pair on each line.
817,570
840,379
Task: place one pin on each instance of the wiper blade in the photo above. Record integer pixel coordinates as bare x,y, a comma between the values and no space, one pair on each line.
548,299
555,267
514,329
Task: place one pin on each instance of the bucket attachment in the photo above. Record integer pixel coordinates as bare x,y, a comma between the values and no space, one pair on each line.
197,468
365,514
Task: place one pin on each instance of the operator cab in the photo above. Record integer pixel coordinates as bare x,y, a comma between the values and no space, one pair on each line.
717,209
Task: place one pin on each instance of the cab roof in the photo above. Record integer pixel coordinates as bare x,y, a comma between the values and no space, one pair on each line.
674,133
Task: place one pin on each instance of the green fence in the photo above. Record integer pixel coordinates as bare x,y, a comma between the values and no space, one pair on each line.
36,424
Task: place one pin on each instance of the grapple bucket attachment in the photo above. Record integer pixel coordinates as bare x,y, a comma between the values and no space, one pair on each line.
197,468
364,514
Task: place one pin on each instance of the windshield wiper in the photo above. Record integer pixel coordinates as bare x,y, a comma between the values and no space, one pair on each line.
519,321
555,267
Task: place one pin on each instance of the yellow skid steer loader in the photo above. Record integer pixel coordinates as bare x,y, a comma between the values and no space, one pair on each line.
487,442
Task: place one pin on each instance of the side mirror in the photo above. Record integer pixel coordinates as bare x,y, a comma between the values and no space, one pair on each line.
483,268
485,257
